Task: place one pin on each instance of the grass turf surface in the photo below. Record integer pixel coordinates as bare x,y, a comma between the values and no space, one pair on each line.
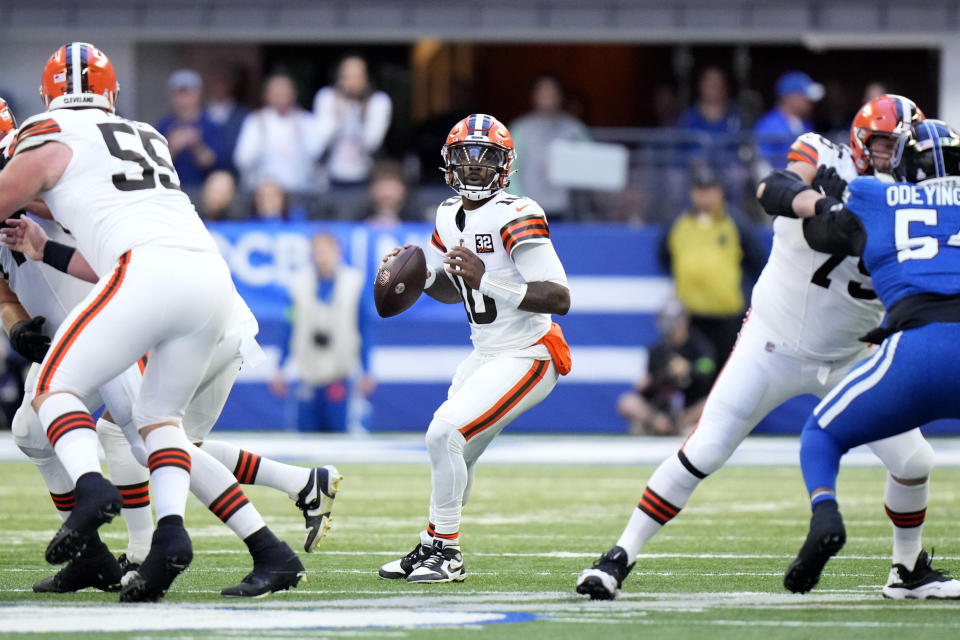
714,572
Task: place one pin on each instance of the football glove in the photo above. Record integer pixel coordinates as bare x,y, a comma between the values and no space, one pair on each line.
27,339
829,183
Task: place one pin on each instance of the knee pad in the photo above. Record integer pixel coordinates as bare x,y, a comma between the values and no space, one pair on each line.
439,436
29,435
918,464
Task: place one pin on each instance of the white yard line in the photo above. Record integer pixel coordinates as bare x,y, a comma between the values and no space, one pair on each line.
520,449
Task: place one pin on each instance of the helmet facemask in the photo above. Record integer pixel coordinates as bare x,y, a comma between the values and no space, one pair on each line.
477,170
931,150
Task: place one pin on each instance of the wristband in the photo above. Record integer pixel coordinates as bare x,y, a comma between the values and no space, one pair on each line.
58,255
503,289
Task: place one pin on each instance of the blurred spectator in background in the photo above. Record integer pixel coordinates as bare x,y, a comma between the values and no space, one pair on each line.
329,342
194,139
271,202
223,109
533,134
278,142
776,130
387,206
715,115
707,255
351,121
218,200
666,105
681,368
713,112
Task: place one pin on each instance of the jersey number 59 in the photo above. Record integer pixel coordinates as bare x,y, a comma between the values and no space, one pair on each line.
141,148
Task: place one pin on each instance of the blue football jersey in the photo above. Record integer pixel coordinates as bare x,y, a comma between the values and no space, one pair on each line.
913,235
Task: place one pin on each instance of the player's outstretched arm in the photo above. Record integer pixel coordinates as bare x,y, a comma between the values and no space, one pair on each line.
26,236
29,173
26,334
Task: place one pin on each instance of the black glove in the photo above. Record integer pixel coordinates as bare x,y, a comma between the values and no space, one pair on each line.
27,339
829,183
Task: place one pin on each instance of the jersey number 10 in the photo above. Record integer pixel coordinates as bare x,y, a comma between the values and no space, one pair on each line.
144,153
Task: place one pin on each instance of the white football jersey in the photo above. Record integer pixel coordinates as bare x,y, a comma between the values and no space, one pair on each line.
120,190
493,232
815,303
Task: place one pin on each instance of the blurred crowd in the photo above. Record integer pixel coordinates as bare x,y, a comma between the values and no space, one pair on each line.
281,161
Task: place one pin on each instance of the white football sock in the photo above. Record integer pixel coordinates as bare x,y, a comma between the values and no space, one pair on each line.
169,461
58,483
906,505
71,431
666,493
217,488
133,481
250,468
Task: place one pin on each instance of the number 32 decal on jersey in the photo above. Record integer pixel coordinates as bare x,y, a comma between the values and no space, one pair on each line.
141,146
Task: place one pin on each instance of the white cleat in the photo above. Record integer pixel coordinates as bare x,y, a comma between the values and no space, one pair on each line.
403,567
923,583
324,482
444,564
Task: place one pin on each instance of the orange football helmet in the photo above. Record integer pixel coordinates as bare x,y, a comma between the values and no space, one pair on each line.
889,115
478,157
79,75
7,122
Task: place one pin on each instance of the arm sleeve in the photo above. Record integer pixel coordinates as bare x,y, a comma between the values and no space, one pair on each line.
540,263
836,231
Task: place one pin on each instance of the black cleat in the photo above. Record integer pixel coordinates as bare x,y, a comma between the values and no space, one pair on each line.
825,539
604,579
279,570
94,567
126,565
98,502
170,554
403,567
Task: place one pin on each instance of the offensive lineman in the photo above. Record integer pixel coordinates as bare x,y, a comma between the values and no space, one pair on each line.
491,251
166,291
907,236
801,336
275,566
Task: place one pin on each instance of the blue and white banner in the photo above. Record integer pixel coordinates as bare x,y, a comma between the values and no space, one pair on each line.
617,286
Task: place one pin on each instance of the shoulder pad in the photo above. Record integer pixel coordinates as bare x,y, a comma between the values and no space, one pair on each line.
34,132
806,148
530,225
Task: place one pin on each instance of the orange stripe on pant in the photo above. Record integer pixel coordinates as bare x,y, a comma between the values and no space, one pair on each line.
533,376
60,349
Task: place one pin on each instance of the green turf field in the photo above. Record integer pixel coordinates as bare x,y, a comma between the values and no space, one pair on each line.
715,572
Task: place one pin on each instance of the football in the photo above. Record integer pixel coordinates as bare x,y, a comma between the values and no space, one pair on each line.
400,282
